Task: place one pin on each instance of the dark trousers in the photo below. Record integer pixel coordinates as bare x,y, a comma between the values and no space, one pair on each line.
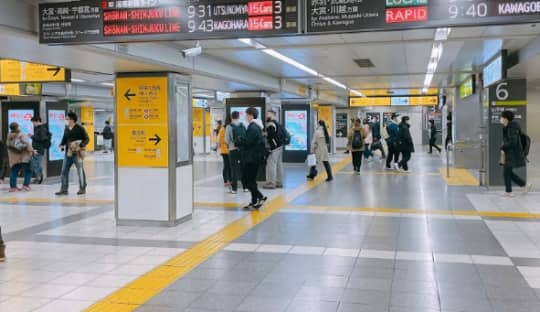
393,155
357,160
235,158
509,177
447,141
432,145
1,239
66,166
378,146
226,168
250,171
15,173
406,156
367,151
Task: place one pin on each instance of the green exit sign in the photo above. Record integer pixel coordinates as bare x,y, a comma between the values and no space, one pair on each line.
404,3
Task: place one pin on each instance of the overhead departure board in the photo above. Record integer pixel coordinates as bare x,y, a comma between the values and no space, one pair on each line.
364,15
95,21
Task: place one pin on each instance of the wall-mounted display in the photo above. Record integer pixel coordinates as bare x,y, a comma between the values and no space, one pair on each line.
495,70
57,123
296,122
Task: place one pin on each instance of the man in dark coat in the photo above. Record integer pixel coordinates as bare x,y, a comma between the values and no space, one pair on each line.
512,155
405,143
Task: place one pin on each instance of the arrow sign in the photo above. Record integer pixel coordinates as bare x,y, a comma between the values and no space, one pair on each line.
56,70
156,139
128,94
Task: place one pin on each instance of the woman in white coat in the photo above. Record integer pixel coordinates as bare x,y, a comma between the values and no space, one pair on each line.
319,147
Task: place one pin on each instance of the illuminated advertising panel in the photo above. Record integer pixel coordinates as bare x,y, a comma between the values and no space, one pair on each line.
57,124
296,123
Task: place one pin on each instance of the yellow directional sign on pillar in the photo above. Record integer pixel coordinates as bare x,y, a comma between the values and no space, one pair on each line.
142,115
13,71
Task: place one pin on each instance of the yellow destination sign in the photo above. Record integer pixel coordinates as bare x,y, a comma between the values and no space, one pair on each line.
143,146
142,100
13,71
424,100
142,113
397,92
369,101
11,89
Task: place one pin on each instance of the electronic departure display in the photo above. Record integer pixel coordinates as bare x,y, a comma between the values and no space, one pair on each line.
152,20
362,15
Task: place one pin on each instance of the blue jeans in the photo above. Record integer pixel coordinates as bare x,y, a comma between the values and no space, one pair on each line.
15,173
66,166
36,165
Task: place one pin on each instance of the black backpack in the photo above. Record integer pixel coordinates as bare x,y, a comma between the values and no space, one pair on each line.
283,137
525,143
239,134
357,140
46,135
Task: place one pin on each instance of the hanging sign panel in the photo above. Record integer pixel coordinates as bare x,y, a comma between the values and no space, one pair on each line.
361,15
14,71
95,21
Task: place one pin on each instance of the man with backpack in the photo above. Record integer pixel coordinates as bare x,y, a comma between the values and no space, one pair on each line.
277,137
41,141
233,137
514,151
107,137
356,145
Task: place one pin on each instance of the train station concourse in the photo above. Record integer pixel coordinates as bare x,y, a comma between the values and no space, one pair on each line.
269,156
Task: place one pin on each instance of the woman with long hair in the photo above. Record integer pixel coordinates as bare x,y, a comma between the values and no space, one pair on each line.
319,147
223,149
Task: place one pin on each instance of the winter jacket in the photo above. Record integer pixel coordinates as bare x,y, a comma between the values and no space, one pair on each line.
272,128
229,136
223,147
253,145
376,131
404,138
4,160
40,138
351,136
78,133
512,147
433,133
392,129
319,146
15,157
369,135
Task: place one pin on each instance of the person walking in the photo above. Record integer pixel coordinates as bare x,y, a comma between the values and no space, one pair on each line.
275,137
2,247
254,150
368,155
512,154
224,152
233,134
393,153
433,137
20,154
377,138
448,131
41,141
107,137
319,147
4,161
73,143
405,143
350,127
356,144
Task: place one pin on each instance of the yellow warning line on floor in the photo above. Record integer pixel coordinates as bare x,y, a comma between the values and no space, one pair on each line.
20,200
405,211
459,177
136,293
395,173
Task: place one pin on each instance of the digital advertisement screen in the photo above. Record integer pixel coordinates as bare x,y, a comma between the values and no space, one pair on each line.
23,118
296,123
94,21
57,124
242,112
493,72
466,88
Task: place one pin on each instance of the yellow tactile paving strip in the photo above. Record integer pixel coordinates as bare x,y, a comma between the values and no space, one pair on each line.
459,177
405,211
136,293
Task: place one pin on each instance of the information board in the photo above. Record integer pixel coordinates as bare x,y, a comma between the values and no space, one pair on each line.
14,71
363,15
142,115
95,21
296,123
57,123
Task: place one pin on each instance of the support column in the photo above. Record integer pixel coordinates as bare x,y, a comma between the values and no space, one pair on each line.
154,163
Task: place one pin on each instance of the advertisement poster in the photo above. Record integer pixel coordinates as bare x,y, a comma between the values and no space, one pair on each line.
57,124
22,117
242,112
341,125
296,123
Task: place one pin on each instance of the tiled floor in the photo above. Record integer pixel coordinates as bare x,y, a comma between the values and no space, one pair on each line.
318,253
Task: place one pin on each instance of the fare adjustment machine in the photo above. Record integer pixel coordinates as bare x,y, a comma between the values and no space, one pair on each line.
154,164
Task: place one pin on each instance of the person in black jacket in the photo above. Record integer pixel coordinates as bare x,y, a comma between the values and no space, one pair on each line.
512,155
253,150
2,248
448,131
405,143
433,137
107,137
74,140
40,142
274,166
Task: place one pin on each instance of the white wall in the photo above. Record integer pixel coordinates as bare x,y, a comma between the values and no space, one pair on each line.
533,130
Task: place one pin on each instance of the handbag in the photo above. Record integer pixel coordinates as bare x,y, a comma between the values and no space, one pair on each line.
311,160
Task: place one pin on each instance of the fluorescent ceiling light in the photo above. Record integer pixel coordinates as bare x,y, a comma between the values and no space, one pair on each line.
290,61
107,84
441,34
334,82
77,80
357,93
252,43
